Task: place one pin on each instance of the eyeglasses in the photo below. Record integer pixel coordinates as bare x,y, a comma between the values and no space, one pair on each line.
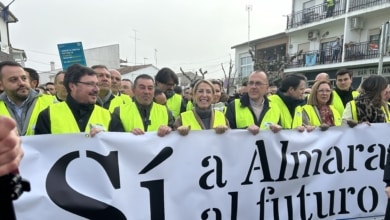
324,91
257,84
89,84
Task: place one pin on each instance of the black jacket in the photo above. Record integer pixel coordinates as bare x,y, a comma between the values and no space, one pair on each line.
81,113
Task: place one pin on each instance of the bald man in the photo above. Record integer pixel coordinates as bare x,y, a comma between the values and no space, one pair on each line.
253,111
322,77
116,80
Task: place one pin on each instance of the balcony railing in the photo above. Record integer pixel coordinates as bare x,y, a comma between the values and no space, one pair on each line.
314,14
361,51
353,51
362,4
320,12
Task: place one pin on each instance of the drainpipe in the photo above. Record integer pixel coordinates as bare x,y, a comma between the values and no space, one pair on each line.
383,42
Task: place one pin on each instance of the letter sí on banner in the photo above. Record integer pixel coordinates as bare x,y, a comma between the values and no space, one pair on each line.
336,174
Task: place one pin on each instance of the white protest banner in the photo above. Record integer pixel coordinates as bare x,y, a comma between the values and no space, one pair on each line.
336,174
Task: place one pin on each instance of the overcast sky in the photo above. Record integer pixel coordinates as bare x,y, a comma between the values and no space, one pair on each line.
191,34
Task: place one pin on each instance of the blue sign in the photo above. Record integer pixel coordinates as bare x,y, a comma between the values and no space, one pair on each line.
71,53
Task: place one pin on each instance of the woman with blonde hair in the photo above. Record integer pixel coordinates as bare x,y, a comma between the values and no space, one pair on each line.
202,116
319,111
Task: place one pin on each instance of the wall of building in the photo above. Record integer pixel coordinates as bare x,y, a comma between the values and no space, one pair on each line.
106,55
150,70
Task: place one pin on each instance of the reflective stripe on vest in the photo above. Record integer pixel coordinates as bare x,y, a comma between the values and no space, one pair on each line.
174,104
287,121
354,112
125,98
315,119
41,102
115,102
188,119
63,121
338,104
131,118
244,117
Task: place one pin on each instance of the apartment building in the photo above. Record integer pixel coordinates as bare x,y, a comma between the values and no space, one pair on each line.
313,28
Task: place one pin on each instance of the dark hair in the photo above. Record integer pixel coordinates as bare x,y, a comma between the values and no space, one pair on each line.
128,80
33,74
59,73
157,92
177,90
245,83
74,73
8,63
165,75
291,80
193,83
372,87
217,82
49,83
314,91
343,71
99,66
142,76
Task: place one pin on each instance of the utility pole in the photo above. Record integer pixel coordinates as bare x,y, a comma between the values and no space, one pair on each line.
135,46
249,9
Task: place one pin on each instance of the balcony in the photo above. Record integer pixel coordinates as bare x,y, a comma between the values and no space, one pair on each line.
361,51
315,14
362,4
320,12
353,52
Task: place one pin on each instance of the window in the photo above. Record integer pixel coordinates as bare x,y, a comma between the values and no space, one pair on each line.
246,66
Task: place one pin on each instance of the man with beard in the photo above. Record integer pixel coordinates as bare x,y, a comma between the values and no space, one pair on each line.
18,100
166,80
78,113
106,98
143,114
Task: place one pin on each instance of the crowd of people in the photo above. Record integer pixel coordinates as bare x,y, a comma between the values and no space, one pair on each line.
96,99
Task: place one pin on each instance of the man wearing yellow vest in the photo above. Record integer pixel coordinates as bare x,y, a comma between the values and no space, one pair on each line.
290,99
343,93
253,111
61,92
78,113
143,114
166,80
106,98
18,100
329,8
116,82
127,88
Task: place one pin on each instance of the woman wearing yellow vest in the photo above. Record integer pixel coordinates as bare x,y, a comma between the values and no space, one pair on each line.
202,116
370,105
217,103
318,112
